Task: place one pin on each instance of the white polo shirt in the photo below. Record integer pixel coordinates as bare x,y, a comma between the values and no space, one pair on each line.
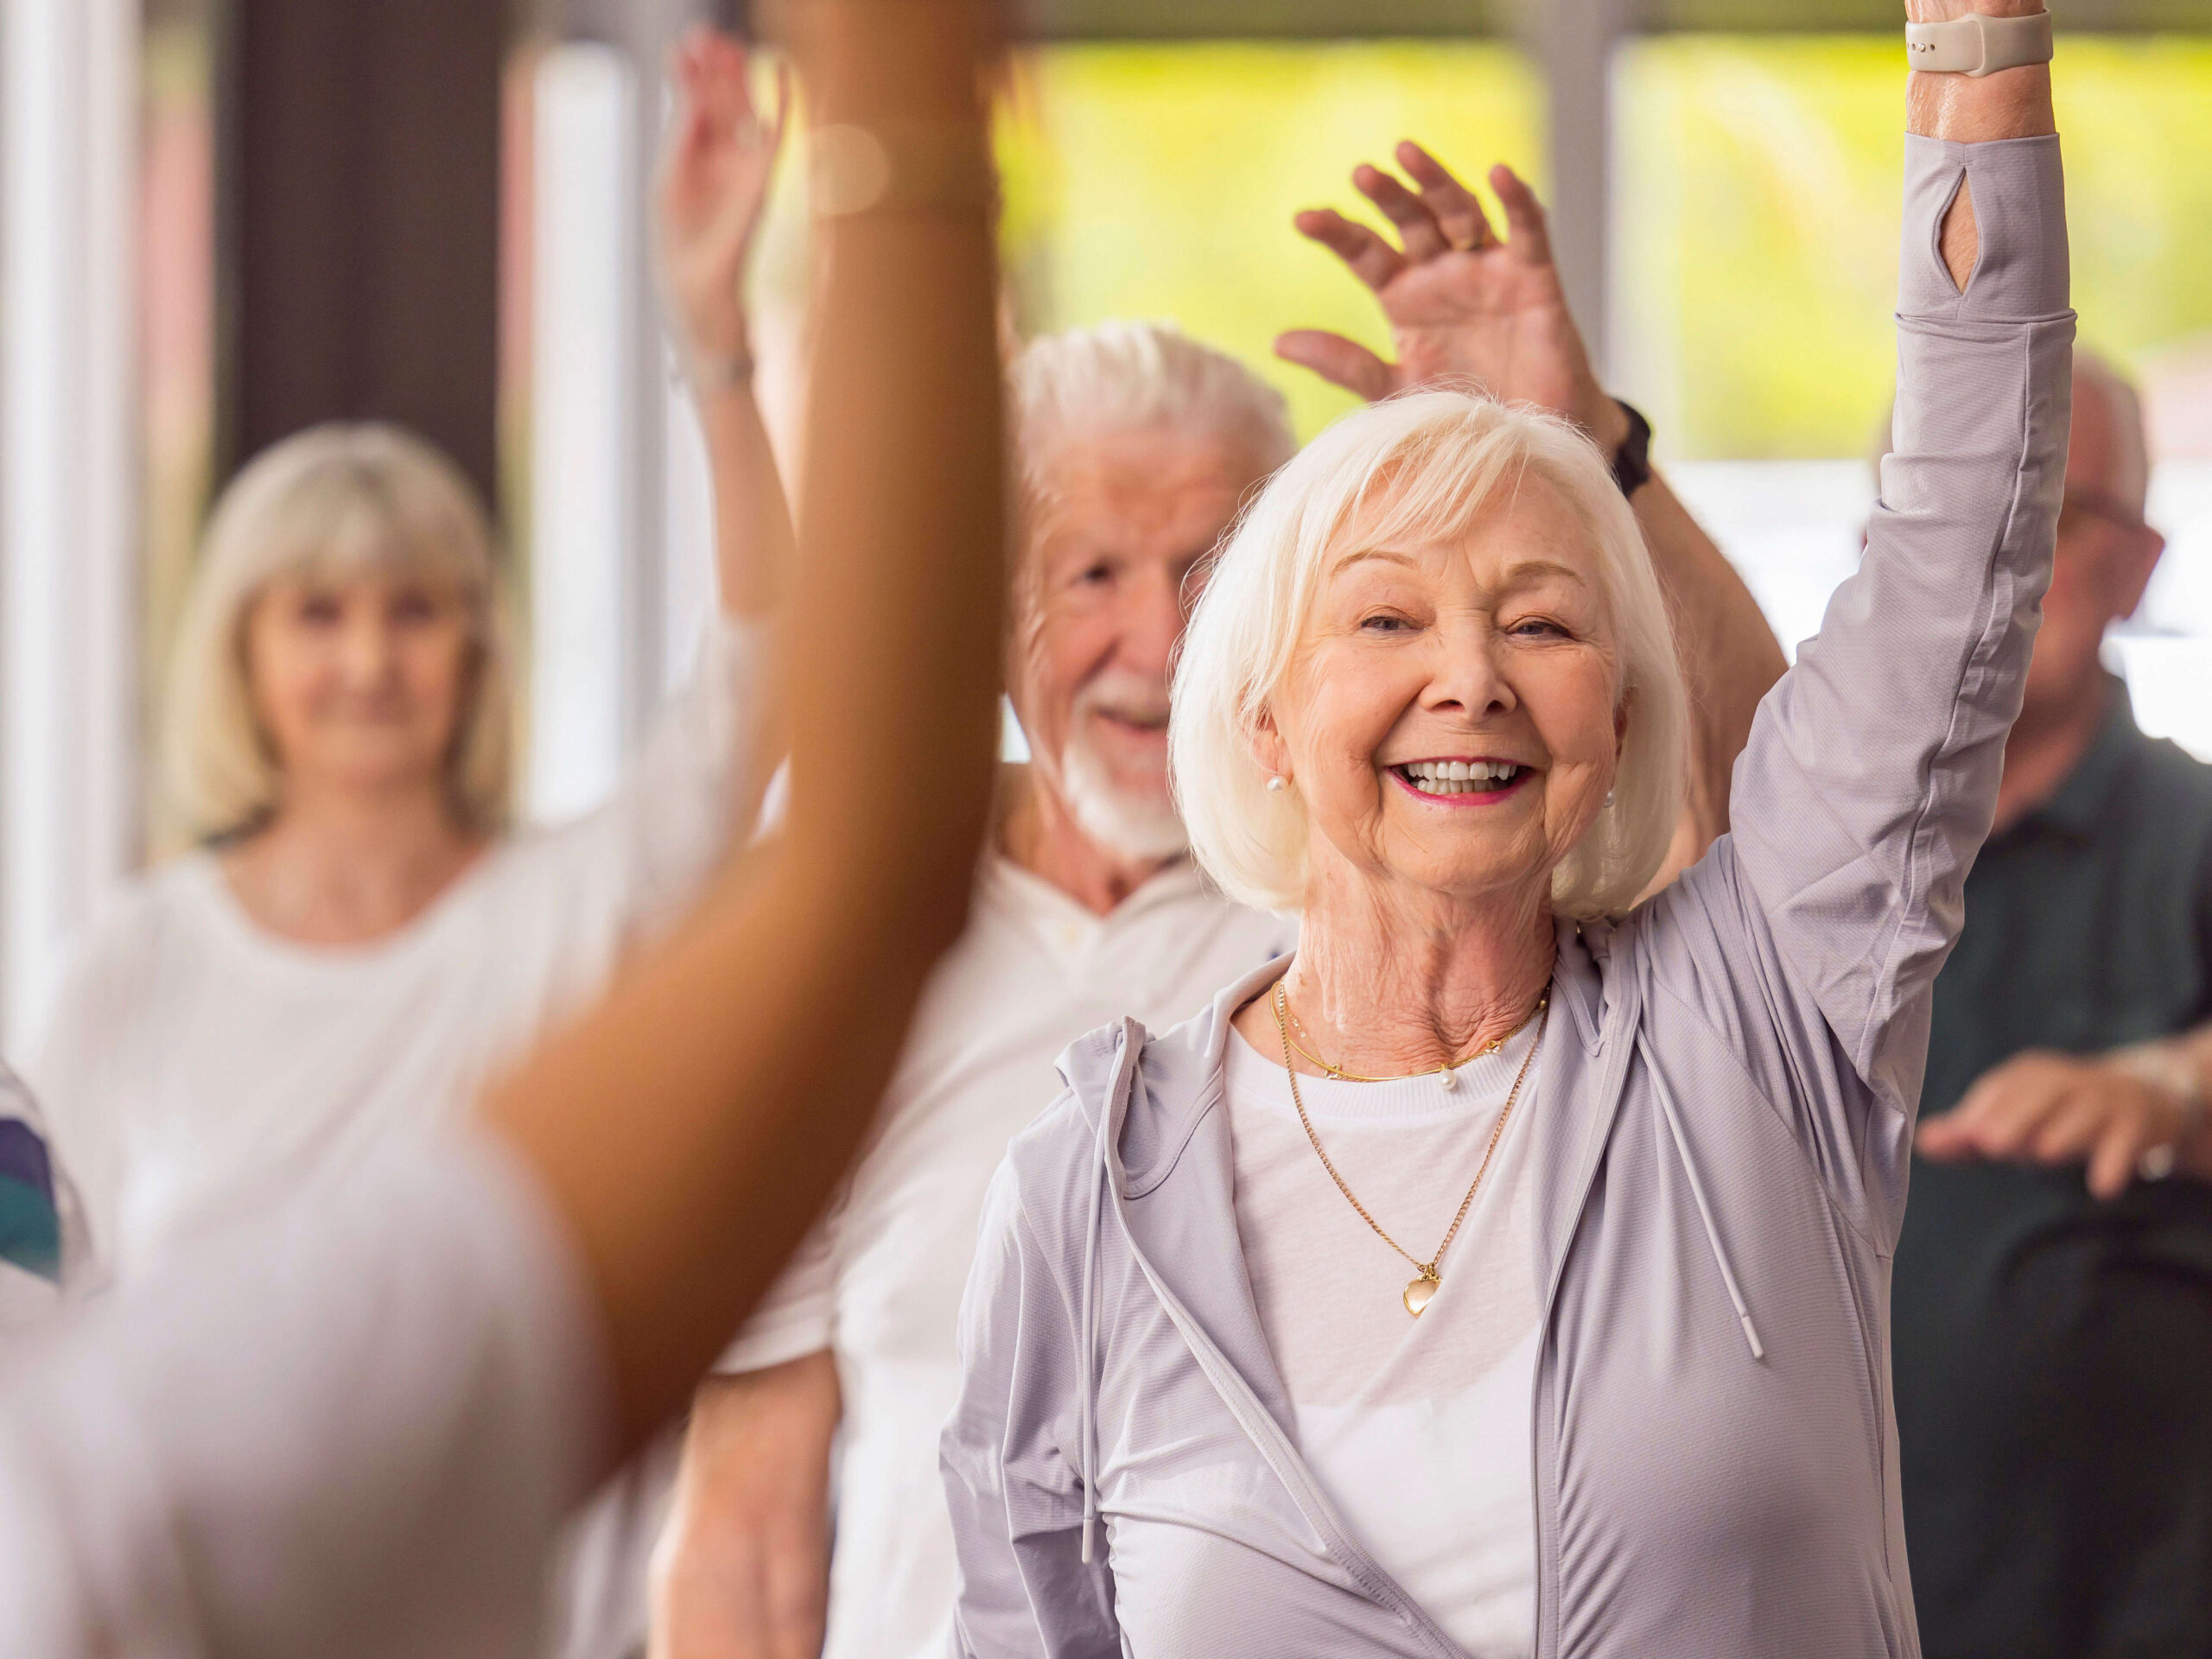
881,1279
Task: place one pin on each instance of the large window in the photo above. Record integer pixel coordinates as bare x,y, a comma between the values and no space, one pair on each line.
1160,180
1755,263
1755,207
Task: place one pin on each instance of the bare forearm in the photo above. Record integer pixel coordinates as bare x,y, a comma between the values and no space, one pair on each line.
1973,110
1730,656
742,1570
904,444
755,549
689,1129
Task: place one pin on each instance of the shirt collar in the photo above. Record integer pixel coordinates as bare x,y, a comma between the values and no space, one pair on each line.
1180,879
2077,805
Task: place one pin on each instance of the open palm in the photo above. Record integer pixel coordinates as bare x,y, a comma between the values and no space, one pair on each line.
1464,306
713,182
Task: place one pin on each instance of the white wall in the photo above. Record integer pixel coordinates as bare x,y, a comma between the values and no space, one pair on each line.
580,372
69,622
1793,529
622,556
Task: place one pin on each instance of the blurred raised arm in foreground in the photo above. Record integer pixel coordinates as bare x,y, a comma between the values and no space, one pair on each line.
353,1430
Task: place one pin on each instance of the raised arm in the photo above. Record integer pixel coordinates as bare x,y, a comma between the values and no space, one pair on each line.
697,784
714,182
1870,776
526,1305
1466,306
762,1035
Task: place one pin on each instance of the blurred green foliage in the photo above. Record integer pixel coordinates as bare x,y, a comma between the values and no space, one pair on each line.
1756,235
1160,180
1755,205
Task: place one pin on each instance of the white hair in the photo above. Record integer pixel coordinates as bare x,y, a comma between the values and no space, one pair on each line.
335,500
1422,465
1119,377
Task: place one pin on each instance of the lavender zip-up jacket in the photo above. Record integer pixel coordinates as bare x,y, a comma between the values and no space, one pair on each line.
1720,1147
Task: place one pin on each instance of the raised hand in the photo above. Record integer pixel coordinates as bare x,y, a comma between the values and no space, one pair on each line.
714,181
1464,305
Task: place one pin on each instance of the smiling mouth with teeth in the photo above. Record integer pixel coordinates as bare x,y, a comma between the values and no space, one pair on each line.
1442,778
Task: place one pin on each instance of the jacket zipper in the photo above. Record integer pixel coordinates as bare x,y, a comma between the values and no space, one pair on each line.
1266,1434
1613,1077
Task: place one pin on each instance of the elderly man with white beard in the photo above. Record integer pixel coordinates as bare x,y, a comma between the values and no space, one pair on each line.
1138,447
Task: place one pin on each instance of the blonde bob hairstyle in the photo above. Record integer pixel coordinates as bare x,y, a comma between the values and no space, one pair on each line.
335,502
1416,469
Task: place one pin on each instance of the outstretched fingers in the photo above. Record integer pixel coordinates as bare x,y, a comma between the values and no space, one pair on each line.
1418,230
1341,362
1524,215
1457,210
1371,259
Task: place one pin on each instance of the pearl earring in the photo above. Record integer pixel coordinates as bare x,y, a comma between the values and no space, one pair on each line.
1277,783
1609,800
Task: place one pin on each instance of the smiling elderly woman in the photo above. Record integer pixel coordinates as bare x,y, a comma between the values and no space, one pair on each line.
1509,1275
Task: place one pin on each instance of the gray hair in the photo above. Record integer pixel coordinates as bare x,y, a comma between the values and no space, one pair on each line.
1118,376
336,500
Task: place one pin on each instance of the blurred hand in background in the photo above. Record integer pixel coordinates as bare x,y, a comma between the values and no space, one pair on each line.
1464,304
713,183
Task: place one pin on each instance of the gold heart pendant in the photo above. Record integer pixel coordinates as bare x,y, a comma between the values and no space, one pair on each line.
1418,1295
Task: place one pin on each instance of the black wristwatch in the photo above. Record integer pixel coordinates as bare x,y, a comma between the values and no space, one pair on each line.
1632,460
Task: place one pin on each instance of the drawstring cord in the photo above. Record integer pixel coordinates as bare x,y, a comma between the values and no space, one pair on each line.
1087,1432
1697,1191
1086,1396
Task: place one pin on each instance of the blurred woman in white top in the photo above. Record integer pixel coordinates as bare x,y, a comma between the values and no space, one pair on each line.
357,940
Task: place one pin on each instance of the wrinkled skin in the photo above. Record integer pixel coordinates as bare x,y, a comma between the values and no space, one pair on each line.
1498,646
1428,924
1104,593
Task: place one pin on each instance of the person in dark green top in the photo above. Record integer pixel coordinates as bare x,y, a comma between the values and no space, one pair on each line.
2052,1299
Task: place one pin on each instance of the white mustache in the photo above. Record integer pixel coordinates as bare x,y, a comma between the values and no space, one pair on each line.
1136,697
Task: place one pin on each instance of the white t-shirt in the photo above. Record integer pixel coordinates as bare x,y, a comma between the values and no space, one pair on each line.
191,1058
345,1425
1418,1430
881,1279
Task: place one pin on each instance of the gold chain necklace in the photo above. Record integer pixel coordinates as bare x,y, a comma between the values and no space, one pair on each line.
1449,1071
1422,1288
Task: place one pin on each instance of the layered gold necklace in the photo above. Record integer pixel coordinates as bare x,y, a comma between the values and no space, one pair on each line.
1419,1292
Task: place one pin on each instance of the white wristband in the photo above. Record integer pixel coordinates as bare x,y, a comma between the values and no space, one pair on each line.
1976,45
